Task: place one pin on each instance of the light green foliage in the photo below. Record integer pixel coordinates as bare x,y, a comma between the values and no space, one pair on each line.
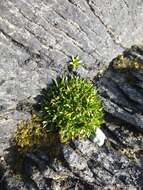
73,108
75,63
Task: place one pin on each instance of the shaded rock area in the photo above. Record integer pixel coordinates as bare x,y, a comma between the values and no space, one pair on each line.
80,164
122,87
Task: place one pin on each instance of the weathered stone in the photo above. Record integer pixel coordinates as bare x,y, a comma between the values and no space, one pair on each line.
122,90
37,39
81,164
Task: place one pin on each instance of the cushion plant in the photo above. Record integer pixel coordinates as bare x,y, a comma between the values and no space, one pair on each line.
72,107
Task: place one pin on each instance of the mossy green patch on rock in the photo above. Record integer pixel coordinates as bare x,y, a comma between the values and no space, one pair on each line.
123,63
30,134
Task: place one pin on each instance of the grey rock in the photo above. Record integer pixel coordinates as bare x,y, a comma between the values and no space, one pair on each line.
37,39
122,91
80,164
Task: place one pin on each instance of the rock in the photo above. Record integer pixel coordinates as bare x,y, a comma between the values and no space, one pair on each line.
80,165
37,39
121,87
99,137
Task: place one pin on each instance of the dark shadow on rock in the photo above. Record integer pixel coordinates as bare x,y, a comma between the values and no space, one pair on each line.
121,88
3,183
27,164
135,52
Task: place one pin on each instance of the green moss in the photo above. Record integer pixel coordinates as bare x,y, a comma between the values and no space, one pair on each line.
30,134
73,108
123,63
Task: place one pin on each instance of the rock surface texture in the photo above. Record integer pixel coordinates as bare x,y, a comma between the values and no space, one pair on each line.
122,87
37,39
80,165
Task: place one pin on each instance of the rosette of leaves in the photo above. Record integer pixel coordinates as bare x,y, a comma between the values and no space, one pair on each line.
75,63
73,108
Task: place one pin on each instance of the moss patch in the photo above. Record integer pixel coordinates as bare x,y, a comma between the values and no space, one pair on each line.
30,135
123,63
